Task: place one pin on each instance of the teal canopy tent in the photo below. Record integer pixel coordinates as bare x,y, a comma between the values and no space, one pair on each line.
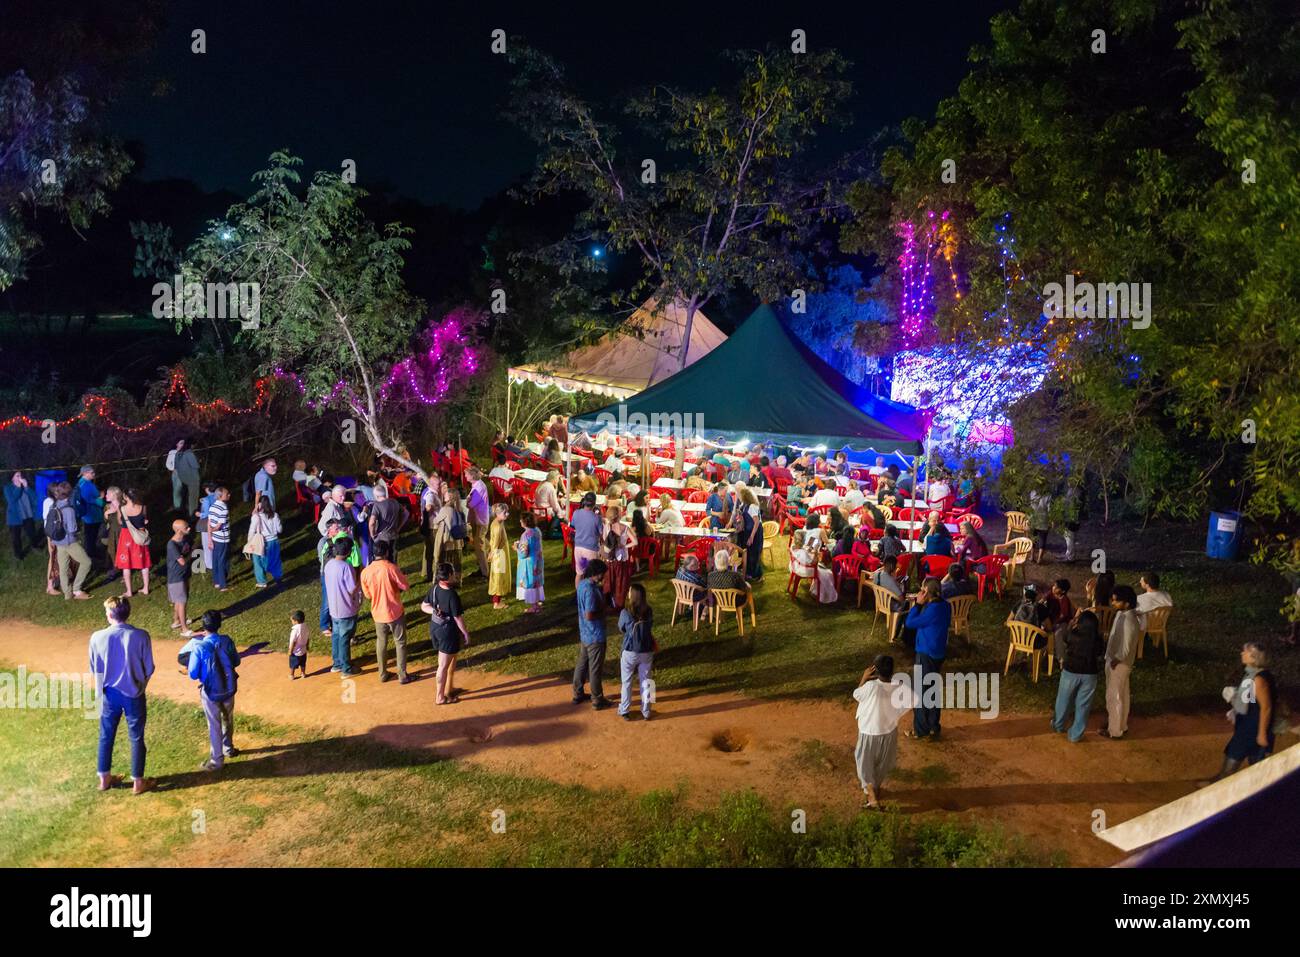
764,385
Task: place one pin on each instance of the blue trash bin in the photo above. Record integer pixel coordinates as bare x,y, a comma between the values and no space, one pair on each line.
1223,536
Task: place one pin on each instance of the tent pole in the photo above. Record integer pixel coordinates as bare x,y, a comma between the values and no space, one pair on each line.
507,402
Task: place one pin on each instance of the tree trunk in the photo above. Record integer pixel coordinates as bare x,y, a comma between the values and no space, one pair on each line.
686,330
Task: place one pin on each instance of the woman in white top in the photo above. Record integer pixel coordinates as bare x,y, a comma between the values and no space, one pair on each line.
547,496
617,538
266,523
883,699
669,516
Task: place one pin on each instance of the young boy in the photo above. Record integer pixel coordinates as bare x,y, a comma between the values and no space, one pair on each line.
179,552
299,639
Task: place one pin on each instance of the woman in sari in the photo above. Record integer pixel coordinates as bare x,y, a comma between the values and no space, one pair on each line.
530,573
499,556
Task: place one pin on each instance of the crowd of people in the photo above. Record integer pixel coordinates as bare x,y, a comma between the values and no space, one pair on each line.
465,517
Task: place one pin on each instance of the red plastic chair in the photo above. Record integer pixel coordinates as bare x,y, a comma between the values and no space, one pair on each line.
603,475
699,547
935,566
647,550
696,497
841,490
820,509
504,487
792,518
566,535
851,564
994,573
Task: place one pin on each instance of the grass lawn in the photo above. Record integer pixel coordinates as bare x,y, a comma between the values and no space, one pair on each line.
296,798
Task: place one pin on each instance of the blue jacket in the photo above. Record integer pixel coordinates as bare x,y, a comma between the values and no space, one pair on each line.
13,504
931,622
89,503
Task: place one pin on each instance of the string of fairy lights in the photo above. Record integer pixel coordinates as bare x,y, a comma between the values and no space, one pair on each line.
427,378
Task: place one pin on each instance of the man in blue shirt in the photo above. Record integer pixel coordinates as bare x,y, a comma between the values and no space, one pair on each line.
714,507
592,609
586,535
930,617
212,664
264,484
121,659
90,513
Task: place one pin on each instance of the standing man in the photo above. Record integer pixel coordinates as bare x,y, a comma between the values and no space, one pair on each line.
179,550
479,505
219,533
324,552
263,484
121,659
931,617
90,513
430,506
212,663
586,536
382,582
184,466
61,530
1121,649
387,518
592,609
343,595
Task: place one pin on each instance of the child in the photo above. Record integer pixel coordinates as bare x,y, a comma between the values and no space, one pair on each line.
299,639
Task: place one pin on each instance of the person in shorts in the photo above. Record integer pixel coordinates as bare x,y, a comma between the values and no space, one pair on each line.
180,550
299,639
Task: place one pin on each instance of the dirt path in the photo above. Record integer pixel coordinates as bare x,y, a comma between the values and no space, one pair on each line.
1011,770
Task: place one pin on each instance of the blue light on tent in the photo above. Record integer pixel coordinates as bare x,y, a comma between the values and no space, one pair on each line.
597,252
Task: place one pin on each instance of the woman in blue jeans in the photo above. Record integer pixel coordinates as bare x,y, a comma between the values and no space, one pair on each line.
636,621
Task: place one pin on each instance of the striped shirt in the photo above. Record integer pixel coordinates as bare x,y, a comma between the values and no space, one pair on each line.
219,521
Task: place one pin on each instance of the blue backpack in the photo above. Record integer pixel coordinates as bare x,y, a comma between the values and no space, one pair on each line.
219,677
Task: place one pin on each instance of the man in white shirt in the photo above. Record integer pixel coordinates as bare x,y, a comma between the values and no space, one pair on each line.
1152,597
879,467
825,496
854,498
501,472
335,510
937,491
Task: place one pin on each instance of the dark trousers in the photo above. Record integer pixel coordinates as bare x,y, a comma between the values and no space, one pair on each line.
325,624
925,721
220,564
90,540
28,529
113,705
590,664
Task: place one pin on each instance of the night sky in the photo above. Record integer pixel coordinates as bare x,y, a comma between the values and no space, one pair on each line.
413,94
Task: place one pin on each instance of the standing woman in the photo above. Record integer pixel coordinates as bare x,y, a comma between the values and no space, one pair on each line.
751,534
20,514
617,541
530,574
636,622
1254,702
882,701
185,476
449,517
447,629
266,523
499,555
133,541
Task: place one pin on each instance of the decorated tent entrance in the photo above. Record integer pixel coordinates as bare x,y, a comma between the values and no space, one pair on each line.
763,385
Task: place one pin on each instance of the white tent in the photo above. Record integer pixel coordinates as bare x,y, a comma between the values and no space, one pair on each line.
644,350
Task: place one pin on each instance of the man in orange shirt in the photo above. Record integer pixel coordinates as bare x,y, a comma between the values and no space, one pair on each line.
382,582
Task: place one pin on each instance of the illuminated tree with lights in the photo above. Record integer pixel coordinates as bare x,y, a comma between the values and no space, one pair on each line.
334,316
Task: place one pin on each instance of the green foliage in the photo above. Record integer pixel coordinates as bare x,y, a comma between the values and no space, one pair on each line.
1115,179
730,202
50,159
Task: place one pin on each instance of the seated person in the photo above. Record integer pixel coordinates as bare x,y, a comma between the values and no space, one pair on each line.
308,478
500,471
973,548
553,455
1150,596
890,545
937,490
879,467
955,583
669,516
584,482
1034,611
825,495
813,532
515,448
1061,611
723,577
938,540
965,492
689,571
886,577
499,446
854,498
696,481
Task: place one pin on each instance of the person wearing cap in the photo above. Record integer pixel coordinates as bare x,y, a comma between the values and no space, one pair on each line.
587,527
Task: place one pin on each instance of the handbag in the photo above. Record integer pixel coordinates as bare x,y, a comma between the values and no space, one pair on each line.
255,544
138,535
